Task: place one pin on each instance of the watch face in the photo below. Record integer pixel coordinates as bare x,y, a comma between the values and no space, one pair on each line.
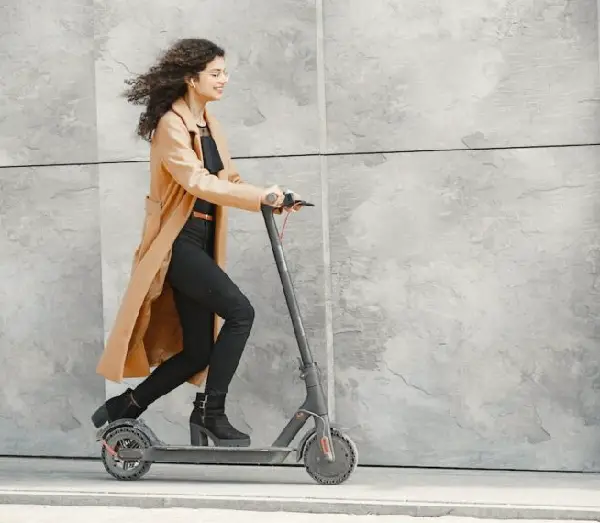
272,197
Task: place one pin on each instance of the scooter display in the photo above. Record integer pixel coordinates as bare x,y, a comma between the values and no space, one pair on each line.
129,446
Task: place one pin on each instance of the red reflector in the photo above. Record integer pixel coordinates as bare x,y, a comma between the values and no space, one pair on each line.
325,445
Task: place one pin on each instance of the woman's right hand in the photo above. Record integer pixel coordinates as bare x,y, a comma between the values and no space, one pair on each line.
277,201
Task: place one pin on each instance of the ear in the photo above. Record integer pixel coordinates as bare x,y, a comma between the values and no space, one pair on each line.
190,79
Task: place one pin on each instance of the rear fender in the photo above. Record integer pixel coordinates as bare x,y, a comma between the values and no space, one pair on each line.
138,424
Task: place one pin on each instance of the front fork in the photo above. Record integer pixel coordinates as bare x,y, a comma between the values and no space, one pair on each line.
316,406
323,429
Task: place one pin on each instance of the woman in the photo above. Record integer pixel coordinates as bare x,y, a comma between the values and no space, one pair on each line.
178,285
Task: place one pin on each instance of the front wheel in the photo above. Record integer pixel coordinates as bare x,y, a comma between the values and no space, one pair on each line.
336,472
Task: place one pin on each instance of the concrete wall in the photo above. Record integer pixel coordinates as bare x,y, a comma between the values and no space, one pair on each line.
448,275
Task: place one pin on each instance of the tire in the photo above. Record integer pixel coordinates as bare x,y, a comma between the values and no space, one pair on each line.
130,438
325,473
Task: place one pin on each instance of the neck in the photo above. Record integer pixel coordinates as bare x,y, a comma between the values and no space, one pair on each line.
197,106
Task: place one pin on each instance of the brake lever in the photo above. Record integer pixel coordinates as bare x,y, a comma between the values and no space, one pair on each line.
288,201
302,203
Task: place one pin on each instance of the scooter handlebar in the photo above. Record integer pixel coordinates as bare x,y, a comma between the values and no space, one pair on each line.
288,201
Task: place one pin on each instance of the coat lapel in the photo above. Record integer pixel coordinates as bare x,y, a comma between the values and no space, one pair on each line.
181,108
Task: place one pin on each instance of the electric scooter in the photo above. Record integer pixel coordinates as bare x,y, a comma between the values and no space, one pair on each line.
330,457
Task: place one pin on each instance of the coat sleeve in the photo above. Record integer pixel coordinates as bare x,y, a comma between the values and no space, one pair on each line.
181,162
234,175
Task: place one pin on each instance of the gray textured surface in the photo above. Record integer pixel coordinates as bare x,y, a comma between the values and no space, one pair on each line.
269,107
47,103
466,326
47,514
51,313
370,491
92,513
467,338
266,389
422,74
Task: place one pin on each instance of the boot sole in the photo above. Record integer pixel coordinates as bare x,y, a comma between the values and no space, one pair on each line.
100,417
199,438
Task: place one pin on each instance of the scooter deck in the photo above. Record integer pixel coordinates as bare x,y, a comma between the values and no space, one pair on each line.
207,455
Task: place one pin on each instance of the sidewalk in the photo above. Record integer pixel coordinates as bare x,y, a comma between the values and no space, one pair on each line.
412,492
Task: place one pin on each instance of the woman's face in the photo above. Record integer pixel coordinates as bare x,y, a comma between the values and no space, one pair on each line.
212,81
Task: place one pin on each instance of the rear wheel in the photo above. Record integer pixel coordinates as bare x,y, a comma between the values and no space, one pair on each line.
124,438
335,473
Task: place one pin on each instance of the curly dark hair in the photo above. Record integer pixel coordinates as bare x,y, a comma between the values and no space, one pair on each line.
165,81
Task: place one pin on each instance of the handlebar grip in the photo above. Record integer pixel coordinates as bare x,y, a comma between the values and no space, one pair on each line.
288,200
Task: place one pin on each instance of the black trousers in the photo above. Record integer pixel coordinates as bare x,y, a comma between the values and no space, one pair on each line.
201,288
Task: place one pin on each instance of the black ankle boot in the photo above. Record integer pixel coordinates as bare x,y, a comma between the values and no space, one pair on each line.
117,407
208,420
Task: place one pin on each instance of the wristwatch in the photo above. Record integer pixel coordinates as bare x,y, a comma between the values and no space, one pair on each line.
271,197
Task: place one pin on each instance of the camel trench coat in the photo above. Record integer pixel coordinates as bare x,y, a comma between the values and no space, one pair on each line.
147,330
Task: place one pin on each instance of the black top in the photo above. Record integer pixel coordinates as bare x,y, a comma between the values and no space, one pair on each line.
212,163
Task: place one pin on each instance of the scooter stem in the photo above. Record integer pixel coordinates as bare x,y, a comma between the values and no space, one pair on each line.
288,287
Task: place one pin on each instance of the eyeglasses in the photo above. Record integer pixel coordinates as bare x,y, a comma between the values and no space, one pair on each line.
218,74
